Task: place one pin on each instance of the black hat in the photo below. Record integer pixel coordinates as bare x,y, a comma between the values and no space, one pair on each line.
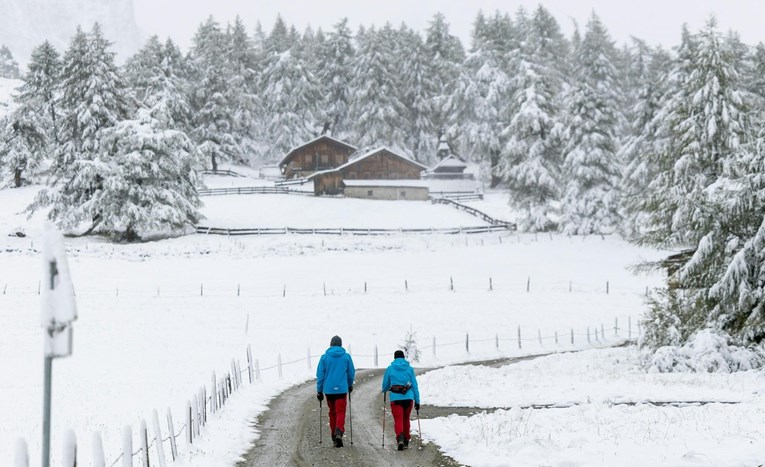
398,354
336,342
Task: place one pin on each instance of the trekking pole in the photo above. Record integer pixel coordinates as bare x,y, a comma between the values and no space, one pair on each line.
320,407
383,419
350,407
419,427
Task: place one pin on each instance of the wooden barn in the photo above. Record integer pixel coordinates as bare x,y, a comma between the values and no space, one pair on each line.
378,164
322,153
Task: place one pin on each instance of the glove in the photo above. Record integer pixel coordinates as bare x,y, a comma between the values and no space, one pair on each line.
350,389
417,407
320,396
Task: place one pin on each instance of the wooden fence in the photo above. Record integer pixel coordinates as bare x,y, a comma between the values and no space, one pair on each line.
229,173
475,212
500,227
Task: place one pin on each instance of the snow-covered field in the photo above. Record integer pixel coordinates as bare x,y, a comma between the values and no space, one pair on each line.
604,410
156,319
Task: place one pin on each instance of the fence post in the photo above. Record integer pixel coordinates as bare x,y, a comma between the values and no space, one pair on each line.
158,439
325,289
539,335
602,332
629,327
467,342
70,449
257,370
569,286
496,340
195,413
376,364
238,290
491,286
365,286
249,362
588,335
144,444
556,337
201,290
528,284
171,429
233,373
519,337
127,447
606,287
189,424
22,453
214,393
434,346
308,357
406,285
284,291
572,336
279,363
616,326
451,283
98,451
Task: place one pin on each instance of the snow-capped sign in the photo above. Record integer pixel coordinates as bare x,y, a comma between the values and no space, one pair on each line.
57,292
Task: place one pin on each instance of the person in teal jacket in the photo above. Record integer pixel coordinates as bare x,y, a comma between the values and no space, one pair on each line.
399,379
334,378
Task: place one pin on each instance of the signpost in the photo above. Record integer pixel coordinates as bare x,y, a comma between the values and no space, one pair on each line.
58,311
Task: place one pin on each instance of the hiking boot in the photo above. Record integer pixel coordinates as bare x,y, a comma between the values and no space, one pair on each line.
400,439
338,438
406,443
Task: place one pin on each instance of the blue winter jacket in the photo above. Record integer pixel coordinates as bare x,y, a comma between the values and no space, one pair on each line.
400,373
335,372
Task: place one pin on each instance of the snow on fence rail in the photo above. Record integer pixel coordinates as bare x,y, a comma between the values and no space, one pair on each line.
201,406
475,212
352,231
227,172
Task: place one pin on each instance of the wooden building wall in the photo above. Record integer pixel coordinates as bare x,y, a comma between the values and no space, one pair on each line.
382,166
321,155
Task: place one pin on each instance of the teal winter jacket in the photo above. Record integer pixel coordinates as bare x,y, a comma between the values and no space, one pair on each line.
335,372
400,373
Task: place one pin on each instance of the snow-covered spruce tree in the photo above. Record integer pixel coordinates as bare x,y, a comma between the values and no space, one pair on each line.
530,160
445,55
291,96
213,117
30,133
150,186
419,97
242,91
481,95
376,106
755,79
591,170
712,209
9,68
336,55
648,70
93,99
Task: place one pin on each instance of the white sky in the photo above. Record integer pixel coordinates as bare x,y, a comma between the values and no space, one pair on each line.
657,21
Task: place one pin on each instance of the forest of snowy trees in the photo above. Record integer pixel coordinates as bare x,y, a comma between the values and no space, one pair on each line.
665,147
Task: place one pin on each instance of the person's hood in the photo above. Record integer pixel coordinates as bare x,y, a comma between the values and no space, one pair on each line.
335,351
400,363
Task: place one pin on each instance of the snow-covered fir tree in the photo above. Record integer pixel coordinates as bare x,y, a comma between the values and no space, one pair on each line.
376,108
481,96
9,68
530,160
242,92
420,92
591,170
445,55
93,99
336,56
30,134
213,114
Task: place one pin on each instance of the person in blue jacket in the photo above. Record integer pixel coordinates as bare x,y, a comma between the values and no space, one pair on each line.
399,379
334,378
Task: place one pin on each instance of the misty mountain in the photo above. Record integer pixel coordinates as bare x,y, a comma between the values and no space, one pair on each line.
26,23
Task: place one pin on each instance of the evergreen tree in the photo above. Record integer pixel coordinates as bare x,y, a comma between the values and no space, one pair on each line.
213,119
420,92
93,99
9,68
530,160
376,107
591,169
151,182
30,133
242,91
445,55
336,56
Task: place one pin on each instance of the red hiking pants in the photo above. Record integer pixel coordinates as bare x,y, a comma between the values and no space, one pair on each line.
401,411
336,404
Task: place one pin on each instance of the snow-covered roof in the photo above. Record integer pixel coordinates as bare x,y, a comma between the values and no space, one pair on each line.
375,151
402,183
450,161
318,138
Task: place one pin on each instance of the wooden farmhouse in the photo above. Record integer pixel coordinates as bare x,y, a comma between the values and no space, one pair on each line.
450,166
378,164
322,153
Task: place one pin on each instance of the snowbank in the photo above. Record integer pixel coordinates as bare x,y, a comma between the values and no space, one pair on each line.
705,352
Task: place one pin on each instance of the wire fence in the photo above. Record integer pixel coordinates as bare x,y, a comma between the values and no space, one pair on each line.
202,405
